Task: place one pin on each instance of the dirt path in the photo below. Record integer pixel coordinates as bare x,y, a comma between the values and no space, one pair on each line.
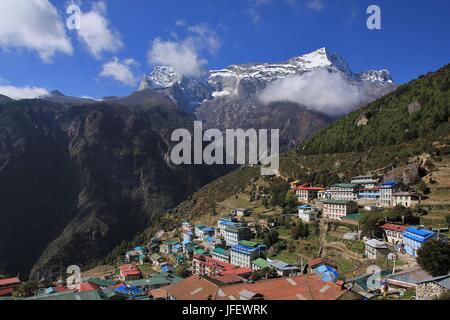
338,246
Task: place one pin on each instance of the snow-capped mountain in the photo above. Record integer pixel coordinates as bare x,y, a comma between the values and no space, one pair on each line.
246,80
162,77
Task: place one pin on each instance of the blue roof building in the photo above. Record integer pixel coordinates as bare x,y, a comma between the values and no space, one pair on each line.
326,273
243,253
413,238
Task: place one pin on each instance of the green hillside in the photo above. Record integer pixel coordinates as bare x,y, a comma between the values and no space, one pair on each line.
417,110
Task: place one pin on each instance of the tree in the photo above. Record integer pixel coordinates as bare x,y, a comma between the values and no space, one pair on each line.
270,238
277,193
182,271
434,257
290,202
300,230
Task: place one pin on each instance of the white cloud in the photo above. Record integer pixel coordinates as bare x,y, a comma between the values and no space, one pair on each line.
120,71
205,38
97,33
254,7
180,23
33,25
316,5
184,55
18,93
319,90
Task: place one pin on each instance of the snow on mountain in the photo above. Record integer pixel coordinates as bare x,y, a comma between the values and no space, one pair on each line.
162,77
247,79
383,76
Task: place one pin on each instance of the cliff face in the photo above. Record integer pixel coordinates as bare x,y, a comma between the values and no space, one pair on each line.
76,181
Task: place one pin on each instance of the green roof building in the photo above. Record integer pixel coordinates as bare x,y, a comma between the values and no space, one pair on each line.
260,264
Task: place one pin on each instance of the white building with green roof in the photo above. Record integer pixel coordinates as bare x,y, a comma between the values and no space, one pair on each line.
221,254
260,264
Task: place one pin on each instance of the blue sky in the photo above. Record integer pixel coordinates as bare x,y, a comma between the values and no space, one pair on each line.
211,34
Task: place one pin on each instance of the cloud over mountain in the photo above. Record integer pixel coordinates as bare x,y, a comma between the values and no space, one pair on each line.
185,55
319,90
18,93
120,71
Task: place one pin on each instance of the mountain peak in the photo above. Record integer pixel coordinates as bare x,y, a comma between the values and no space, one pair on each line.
322,58
162,77
56,93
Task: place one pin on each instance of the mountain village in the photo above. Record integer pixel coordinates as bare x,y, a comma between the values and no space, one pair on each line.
227,261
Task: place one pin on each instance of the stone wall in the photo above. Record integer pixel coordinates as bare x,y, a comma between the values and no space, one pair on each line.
429,291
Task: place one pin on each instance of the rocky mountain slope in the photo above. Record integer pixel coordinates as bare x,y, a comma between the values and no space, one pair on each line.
77,180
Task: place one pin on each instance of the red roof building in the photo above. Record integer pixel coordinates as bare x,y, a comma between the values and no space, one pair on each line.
8,286
303,287
393,233
87,286
129,272
207,266
307,193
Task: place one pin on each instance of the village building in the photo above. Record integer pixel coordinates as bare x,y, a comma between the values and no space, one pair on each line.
369,196
221,254
260,264
413,238
202,231
166,267
393,234
158,280
387,190
225,222
302,287
375,249
337,209
294,185
156,259
323,195
408,278
207,266
188,236
352,218
139,255
406,199
307,193
8,286
188,246
243,253
366,181
307,213
186,226
344,191
241,212
234,233
129,272
284,269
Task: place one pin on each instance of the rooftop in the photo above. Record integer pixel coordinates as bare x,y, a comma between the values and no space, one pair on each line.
9,281
393,227
304,287
418,234
221,251
340,202
261,263
375,243
345,185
